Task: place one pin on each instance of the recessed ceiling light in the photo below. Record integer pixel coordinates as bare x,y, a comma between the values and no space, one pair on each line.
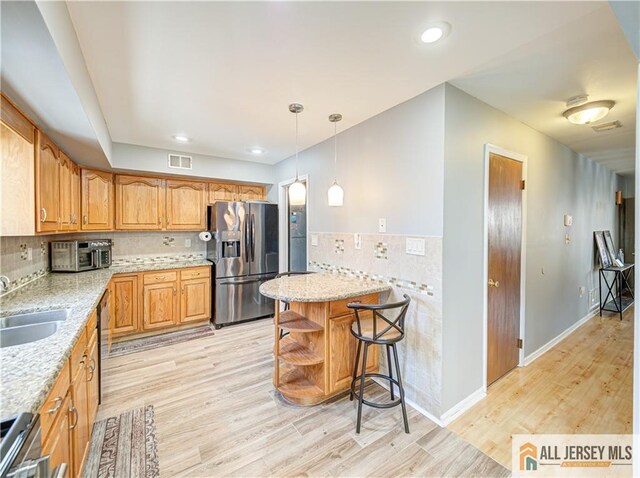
181,138
588,112
256,151
435,32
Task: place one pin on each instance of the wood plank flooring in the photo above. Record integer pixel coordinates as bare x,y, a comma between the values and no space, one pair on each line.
582,385
217,414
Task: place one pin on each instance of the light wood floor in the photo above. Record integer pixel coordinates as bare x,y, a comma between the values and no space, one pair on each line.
217,415
582,385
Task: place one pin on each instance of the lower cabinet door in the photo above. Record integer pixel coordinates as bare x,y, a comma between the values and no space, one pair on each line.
195,300
160,305
58,443
93,388
125,305
79,418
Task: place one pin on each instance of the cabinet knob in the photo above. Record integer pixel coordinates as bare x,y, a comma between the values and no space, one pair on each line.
493,283
58,402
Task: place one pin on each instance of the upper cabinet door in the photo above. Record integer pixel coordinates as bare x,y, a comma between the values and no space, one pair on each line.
47,184
249,193
222,192
66,168
186,205
139,203
75,198
97,201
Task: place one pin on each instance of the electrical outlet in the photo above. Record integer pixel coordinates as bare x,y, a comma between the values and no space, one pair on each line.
357,241
567,239
314,239
382,224
582,290
29,253
593,297
187,243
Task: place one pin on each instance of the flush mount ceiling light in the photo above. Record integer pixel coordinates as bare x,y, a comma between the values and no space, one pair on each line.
181,138
435,32
336,193
587,112
297,190
257,151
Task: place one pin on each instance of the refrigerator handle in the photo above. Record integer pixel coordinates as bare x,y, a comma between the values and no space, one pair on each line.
246,240
253,238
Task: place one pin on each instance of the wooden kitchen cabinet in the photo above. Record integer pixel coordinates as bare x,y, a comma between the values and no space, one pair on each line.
93,385
69,194
75,197
17,154
160,305
222,192
47,184
58,443
250,193
195,300
140,203
186,205
97,200
79,418
125,317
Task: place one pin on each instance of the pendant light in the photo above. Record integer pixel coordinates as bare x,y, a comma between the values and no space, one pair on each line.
297,190
335,193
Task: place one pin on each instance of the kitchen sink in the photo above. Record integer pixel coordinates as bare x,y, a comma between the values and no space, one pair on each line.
58,315
24,334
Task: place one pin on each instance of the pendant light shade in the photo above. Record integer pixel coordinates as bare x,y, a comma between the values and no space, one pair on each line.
335,195
297,190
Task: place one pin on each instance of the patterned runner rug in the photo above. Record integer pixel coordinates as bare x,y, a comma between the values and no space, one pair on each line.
148,343
124,446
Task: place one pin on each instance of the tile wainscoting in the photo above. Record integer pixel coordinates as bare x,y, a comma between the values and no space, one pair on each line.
382,257
24,259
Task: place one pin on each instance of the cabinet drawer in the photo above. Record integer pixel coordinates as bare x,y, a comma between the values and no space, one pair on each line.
160,277
92,323
53,406
76,362
339,307
198,273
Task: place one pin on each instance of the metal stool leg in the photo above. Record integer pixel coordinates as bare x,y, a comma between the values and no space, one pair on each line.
362,378
401,387
355,370
390,370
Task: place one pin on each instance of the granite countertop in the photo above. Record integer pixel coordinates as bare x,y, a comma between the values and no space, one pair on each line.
27,372
319,287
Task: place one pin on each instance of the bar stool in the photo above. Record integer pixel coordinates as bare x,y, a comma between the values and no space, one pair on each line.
378,329
287,305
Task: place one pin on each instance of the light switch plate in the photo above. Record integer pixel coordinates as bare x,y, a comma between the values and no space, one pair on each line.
415,246
382,224
187,243
357,241
314,239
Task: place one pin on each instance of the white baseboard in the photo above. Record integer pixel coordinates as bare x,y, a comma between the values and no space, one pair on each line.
462,406
384,384
549,345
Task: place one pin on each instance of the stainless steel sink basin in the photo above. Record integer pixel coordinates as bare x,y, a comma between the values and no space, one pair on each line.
25,334
58,315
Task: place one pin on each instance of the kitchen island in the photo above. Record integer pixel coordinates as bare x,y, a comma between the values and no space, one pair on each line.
314,362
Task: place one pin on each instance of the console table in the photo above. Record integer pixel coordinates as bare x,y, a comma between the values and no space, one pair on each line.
618,290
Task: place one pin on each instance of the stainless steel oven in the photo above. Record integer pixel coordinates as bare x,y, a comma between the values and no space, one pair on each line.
76,256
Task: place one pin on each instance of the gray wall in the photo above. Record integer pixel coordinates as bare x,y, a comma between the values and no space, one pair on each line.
559,182
152,160
389,166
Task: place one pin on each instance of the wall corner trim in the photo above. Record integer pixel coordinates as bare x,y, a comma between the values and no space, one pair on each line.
413,405
462,406
528,360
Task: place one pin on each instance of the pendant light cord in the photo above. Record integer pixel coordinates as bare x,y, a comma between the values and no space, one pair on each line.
296,146
335,151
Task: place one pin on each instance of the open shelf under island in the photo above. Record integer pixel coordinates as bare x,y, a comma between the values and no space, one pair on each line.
314,362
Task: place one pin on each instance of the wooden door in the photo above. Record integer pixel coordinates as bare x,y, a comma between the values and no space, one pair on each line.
93,387
160,305
79,418
249,193
195,300
222,192
186,205
47,184
97,200
17,153
504,256
139,203
58,443
125,312
74,206
66,167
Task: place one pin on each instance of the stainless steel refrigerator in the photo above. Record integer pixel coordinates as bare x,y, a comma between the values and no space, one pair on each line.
244,250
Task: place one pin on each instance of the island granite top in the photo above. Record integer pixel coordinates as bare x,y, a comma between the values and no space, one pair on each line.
27,372
319,287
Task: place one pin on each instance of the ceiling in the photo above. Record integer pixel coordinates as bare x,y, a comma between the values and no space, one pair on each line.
223,73
532,83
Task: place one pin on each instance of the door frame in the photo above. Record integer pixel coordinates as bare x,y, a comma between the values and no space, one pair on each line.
283,221
488,150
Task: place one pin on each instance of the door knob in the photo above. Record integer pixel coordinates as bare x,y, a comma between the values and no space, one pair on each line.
493,283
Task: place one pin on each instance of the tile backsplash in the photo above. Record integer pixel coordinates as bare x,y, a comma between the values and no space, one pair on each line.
23,259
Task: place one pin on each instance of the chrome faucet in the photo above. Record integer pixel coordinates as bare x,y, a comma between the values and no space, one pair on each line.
4,283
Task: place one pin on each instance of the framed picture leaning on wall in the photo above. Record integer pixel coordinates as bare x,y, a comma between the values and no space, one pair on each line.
603,253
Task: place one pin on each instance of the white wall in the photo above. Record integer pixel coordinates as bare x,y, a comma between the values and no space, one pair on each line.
559,182
389,166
